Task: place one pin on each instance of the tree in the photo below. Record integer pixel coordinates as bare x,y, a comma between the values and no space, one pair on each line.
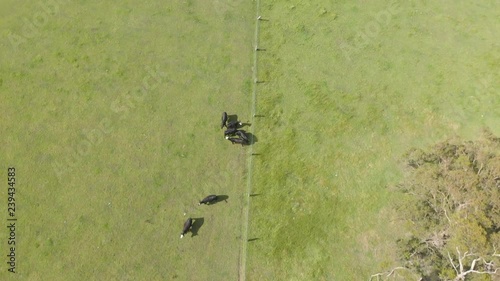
451,203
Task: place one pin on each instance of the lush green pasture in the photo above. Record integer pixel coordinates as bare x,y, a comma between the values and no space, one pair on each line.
351,86
110,115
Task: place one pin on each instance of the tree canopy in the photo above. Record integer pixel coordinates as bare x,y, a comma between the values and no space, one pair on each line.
451,204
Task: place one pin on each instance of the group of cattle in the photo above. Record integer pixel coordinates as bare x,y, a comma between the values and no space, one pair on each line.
232,133
189,222
234,136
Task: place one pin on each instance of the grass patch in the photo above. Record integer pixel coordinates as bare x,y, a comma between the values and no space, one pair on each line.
351,87
111,115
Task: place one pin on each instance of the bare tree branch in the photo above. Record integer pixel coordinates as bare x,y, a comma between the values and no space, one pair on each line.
444,203
387,273
461,265
495,252
461,274
392,271
376,275
451,261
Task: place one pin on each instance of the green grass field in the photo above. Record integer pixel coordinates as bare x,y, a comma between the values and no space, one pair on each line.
111,119
351,87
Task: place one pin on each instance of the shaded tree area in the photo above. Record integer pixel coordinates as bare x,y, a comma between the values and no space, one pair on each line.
451,206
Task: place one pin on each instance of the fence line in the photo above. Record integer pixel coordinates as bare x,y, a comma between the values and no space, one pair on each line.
244,236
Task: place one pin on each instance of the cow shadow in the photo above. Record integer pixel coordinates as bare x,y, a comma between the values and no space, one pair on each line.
220,198
197,223
251,138
232,117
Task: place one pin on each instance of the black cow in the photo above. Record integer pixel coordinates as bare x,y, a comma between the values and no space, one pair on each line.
209,199
234,124
242,135
230,132
237,140
187,226
223,120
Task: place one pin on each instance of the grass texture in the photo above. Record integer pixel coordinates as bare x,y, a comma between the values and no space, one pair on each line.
111,117
350,86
